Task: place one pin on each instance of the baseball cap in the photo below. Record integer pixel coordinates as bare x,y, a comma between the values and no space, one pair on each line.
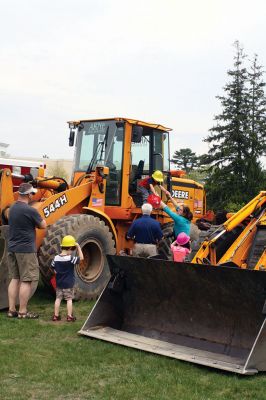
26,188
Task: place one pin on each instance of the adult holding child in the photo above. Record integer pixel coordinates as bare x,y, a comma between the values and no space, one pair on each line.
182,217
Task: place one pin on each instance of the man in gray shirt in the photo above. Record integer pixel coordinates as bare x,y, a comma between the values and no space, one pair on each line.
22,254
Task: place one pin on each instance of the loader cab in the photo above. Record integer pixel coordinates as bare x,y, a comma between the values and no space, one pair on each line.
131,149
100,143
147,155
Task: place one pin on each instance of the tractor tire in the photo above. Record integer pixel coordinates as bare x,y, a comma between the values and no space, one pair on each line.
4,278
95,240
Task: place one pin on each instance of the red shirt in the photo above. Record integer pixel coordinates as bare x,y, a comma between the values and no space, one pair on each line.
147,182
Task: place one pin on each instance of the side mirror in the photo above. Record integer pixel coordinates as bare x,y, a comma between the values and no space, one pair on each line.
71,138
137,132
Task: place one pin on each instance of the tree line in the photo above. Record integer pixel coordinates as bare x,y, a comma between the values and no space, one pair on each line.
232,170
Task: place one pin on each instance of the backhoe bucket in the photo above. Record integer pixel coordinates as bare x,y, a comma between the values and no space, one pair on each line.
214,316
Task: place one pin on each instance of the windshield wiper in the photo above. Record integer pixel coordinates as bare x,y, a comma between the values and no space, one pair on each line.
100,146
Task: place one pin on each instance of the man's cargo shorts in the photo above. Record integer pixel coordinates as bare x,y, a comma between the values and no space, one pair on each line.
23,266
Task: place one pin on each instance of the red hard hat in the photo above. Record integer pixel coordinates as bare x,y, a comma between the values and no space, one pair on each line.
154,200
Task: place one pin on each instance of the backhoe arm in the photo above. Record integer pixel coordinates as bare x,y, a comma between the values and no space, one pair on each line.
246,211
207,252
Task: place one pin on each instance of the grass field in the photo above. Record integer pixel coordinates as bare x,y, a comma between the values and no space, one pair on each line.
45,360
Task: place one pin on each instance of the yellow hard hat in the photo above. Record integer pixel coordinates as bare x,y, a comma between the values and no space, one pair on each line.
158,176
68,241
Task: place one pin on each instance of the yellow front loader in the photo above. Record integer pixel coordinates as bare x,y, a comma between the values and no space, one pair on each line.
97,207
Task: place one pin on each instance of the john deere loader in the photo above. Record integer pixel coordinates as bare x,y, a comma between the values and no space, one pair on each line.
210,312
99,204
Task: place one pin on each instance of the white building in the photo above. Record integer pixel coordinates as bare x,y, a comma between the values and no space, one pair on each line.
3,147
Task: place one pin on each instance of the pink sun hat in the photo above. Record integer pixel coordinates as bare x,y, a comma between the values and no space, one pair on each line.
182,238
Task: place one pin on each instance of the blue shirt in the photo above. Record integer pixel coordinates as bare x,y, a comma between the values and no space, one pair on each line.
64,269
145,230
181,224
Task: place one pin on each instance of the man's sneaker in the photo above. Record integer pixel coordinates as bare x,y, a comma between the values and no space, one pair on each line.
70,318
56,318
27,315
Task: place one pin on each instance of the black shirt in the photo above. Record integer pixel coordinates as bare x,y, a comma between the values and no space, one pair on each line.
23,219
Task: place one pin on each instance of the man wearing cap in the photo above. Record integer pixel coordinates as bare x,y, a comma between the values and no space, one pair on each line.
22,258
146,232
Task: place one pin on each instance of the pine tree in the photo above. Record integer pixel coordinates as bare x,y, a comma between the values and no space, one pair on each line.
257,109
185,159
238,139
256,132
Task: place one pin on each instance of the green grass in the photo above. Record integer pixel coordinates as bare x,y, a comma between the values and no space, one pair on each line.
41,359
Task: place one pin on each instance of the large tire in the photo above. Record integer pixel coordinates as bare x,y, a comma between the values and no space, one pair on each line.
4,278
96,241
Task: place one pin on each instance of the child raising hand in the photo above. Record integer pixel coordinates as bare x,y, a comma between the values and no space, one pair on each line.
64,265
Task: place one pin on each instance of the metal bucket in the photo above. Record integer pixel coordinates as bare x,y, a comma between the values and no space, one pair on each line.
214,316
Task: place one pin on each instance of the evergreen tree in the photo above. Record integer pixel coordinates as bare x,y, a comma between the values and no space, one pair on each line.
185,159
257,114
256,132
238,139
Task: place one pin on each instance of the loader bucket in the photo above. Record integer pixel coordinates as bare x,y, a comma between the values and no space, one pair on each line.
213,316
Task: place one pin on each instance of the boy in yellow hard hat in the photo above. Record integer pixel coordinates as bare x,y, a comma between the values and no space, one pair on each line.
64,265
146,186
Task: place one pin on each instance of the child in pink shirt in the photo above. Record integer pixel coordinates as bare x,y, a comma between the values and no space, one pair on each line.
181,247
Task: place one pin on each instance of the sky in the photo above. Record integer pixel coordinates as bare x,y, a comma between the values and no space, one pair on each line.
157,61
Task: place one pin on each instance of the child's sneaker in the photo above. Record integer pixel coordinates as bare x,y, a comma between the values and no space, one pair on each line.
56,318
70,318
